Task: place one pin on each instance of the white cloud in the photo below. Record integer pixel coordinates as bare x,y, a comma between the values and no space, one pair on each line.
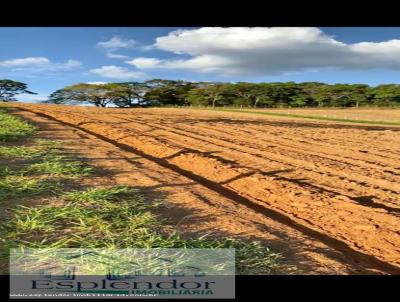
34,65
117,42
70,64
116,56
142,63
116,72
147,47
29,61
97,83
264,50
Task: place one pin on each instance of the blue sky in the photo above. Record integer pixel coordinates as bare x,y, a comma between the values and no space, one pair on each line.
51,58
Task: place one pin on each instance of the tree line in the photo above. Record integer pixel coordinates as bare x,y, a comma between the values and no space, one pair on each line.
159,92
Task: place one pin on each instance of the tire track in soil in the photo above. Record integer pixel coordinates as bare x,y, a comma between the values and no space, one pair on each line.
243,199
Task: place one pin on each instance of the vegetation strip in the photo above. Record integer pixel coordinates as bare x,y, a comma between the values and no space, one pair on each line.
67,213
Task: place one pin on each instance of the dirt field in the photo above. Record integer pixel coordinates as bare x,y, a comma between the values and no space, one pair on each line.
325,193
388,115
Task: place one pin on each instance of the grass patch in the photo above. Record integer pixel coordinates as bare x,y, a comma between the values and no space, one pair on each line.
48,144
58,165
44,159
118,217
14,186
313,117
5,170
20,152
12,128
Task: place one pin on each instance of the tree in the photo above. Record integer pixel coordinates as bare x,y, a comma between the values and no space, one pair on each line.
287,94
311,92
211,94
98,95
60,96
361,94
251,92
9,88
330,95
129,94
298,101
386,95
344,95
168,92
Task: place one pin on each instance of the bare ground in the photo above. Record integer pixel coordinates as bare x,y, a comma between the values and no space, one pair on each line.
369,114
325,194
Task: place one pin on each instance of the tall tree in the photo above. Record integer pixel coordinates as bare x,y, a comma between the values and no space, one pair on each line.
9,89
312,93
251,92
345,95
361,94
98,95
285,94
211,94
128,94
168,92
386,95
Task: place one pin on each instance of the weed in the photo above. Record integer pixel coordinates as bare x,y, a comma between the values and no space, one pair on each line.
48,144
58,165
20,152
13,186
12,128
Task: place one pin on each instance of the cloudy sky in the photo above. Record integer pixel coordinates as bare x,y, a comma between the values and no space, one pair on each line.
51,58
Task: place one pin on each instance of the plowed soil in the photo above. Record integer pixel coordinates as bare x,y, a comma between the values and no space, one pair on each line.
325,193
379,115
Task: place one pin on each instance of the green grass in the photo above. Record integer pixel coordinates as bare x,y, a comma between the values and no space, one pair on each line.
58,165
313,117
44,159
48,144
12,128
118,217
14,186
41,147
6,171
20,152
